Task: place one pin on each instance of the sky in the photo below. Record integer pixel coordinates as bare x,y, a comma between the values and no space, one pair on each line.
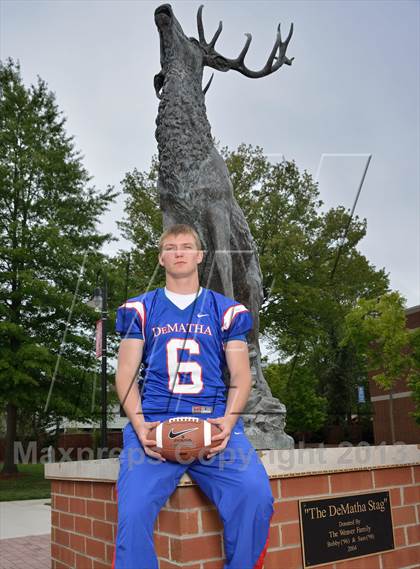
353,90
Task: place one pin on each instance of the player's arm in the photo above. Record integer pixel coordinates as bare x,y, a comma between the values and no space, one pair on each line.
237,360
129,359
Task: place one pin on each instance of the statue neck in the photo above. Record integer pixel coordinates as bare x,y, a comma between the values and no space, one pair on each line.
182,126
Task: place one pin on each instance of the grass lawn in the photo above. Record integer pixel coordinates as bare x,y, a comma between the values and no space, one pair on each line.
27,485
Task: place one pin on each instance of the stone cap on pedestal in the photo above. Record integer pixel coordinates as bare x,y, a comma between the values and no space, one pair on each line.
278,463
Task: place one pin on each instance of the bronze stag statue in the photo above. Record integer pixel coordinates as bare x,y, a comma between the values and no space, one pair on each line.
195,188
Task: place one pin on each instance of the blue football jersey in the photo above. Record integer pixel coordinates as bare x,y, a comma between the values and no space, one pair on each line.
183,356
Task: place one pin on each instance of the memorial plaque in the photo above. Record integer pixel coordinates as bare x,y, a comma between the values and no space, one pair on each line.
345,527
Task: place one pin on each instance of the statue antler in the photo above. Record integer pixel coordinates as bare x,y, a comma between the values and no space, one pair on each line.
214,59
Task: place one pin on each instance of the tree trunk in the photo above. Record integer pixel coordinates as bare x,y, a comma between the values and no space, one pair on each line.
9,466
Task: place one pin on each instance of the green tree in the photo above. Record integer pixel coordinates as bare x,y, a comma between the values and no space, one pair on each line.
142,226
376,329
312,275
306,409
49,247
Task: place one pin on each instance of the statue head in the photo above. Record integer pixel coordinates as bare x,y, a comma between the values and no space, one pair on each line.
186,57
178,53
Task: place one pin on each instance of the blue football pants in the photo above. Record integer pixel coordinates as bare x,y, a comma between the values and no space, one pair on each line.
234,480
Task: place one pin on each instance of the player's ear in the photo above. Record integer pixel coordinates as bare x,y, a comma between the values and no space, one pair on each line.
160,260
200,256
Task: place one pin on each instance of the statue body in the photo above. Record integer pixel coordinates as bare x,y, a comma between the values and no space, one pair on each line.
195,188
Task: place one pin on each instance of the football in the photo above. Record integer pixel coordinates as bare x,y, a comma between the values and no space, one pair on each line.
184,439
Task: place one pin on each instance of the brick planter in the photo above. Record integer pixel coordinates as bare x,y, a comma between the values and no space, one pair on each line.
188,530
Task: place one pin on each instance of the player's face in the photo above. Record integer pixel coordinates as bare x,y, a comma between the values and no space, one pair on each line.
180,255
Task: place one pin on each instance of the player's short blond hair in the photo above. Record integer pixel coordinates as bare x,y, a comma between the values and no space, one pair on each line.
179,229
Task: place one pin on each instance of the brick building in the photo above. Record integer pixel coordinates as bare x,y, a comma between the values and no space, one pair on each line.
392,408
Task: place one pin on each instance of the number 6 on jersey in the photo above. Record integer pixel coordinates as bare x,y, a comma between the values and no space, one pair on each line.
176,367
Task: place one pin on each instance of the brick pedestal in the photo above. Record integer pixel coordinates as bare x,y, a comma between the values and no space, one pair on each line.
188,531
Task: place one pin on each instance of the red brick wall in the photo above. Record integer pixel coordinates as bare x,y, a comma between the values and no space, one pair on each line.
406,429
84,522
413,318
405,499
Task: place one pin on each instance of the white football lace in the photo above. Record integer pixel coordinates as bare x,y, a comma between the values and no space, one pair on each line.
180,419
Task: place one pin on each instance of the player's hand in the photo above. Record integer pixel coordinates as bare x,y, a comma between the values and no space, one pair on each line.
143,433
226,425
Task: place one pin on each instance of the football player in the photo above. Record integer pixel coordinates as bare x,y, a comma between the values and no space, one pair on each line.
182,337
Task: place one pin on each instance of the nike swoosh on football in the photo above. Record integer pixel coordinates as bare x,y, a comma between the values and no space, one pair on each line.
201,315
173,435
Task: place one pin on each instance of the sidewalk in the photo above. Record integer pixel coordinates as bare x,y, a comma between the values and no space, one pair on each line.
25,527
25,517
31,552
